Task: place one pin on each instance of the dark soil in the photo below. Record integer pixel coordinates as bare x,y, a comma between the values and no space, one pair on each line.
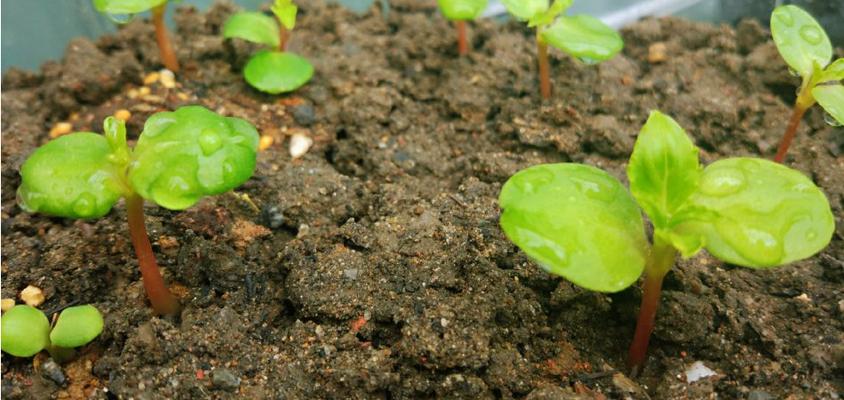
375,267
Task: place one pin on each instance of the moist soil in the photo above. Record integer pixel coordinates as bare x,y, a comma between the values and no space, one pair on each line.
373,267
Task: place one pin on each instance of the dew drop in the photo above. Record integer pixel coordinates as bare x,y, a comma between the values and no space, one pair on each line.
536,243
229,170
595,189
723,181
756,245
793,72
830,120
811,234
84,205
588,60
177,184
533,179
811,34
210,142
785,17
120,18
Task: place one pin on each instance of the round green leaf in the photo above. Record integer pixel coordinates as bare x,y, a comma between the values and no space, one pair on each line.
525,9
77,326
761,214
462,9
277,72
71,176
126,6
800,39
831,98
576,221
184,155
252,26
584,37
25,331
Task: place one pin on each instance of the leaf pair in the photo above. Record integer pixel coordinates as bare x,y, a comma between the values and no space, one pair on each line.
806,48
579,222
462,10
274,70
26,330
180,157
581,36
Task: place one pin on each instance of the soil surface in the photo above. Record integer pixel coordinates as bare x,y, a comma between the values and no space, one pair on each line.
374,267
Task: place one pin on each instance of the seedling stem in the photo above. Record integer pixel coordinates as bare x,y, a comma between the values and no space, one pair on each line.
283,37
544,67
804,102
462,42
168,56
160,297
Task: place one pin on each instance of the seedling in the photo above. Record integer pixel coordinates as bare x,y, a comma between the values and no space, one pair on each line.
273,70
579,222
157,8
461,11
180,157
26,331
805,47
582,36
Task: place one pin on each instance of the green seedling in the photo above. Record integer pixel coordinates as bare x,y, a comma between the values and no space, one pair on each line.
579,222
273,70
180,157
582,36
26,331
806,48
461,11
158,8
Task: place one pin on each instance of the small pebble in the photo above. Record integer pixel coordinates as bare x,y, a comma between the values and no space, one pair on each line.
657,53
167,78
304,114
759,395
804,298
299,145
52,371
32,296
7,304
151,78
443,322
265,142
698,371
61,128
122,114
350,274
224,379
143,91
623,383
272,217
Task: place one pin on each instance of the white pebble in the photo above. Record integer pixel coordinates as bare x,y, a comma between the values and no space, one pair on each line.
698,371
167,78
32,296
299,145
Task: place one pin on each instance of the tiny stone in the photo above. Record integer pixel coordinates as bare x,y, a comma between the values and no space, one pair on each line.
350,274
7,304
143,91
61,128
841,306
320,332
303,231
657,53
624,383
52,371
224,379
443,322
122,115
299,145
151,78
804,298
32,296
272,217
759,395
304,114
167,79
265,142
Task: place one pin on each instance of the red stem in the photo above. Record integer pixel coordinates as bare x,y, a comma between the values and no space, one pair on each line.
462,42
168,56
283,38
544,69
159,296
790,132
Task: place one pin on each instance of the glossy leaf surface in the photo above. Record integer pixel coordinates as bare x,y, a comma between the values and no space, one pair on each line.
584,37
833,72
126,6
285,11
457,10
252,26
77,326
184,155
831,98
72,176
576,221
800,39
546,17
25,331
525,9
277,72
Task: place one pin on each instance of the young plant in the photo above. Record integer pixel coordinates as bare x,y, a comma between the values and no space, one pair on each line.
273,70
26,331
180,157
461,11
579,222
158,8
582,36
805,47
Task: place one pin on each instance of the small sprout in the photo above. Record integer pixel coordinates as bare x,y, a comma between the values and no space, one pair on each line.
579,222
180,157
582,36
113,8
26,330
805,47
461,11
273,70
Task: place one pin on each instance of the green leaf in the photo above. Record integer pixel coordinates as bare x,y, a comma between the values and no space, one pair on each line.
576,221
524,10
584,37
277,72
831,98
548,16
25,331
762,214
285,11
252,26
126,6
799,39
184,155
664,170
73,176
462,9
833,72
77,326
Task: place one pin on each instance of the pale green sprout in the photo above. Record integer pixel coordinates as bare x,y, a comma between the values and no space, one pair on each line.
26,330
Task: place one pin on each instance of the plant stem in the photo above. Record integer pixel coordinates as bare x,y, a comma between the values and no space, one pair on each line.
544,67
168,56
283,38
462,42
804,101
159,296
660,261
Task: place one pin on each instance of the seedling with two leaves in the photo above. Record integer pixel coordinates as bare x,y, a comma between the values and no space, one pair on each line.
579,222
26,331
582,36
806,48
461,11
180,157
113,8
273,70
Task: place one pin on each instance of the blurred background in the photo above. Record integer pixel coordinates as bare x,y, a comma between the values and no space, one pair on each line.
34,31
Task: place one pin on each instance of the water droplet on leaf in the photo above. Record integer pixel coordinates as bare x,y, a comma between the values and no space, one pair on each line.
785,17
722,182
830,120
84,205
756,245
210,142
793,72
811,34
588,61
